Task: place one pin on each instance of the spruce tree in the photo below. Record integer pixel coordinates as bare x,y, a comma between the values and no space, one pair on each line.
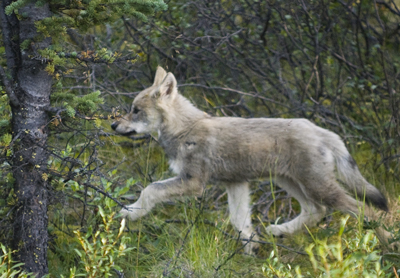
35,36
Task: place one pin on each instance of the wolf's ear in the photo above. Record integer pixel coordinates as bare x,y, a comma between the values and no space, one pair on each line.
168,86
160,75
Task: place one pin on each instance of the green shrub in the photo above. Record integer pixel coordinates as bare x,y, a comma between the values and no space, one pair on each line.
8,267
100,250
355,256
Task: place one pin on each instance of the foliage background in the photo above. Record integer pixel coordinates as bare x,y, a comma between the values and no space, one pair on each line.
333,62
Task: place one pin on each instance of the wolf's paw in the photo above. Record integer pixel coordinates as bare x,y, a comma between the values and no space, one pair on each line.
124,213
251,247
132,212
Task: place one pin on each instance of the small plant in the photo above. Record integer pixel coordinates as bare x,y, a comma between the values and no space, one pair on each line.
8,267
100,249
275,268
354,256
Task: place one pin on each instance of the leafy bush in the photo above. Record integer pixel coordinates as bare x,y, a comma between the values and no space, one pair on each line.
99,250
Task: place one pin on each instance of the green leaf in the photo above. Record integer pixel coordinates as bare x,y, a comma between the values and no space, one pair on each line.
101,211
122,227
123,190
78,252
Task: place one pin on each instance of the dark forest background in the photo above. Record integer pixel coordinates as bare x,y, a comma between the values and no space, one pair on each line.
335,63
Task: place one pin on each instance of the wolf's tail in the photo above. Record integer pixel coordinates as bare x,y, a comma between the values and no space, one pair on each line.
356,184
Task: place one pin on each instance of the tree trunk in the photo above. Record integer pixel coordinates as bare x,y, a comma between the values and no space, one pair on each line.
28,86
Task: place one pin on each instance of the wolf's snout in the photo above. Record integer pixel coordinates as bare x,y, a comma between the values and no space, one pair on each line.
114,125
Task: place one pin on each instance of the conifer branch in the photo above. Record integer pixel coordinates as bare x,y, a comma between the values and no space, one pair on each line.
90,57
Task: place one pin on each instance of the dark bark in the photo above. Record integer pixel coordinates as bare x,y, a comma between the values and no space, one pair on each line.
29,91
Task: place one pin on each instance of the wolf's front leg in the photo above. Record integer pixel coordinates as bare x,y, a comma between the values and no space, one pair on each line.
162,191
240,213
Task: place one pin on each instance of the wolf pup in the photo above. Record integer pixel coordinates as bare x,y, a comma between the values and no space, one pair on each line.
299,155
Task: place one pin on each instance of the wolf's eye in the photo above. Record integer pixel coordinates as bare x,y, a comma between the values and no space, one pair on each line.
136,110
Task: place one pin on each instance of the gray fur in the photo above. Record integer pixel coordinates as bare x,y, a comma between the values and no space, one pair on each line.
299,155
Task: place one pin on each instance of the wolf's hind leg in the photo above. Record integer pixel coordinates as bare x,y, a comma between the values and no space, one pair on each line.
311,212
240,212
356,208
162,191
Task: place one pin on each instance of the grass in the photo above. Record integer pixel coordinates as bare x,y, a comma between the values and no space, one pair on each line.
190,246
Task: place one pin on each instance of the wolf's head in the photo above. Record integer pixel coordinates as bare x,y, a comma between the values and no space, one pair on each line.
147,109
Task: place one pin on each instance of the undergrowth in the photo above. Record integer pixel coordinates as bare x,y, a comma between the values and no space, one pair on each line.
192,237
355,256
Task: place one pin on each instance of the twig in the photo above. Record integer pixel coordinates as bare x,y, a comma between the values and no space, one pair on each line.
395,272
234,91
236,251
9,88
100,191
106,194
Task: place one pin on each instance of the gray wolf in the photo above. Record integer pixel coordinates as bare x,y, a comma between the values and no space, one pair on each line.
300,156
